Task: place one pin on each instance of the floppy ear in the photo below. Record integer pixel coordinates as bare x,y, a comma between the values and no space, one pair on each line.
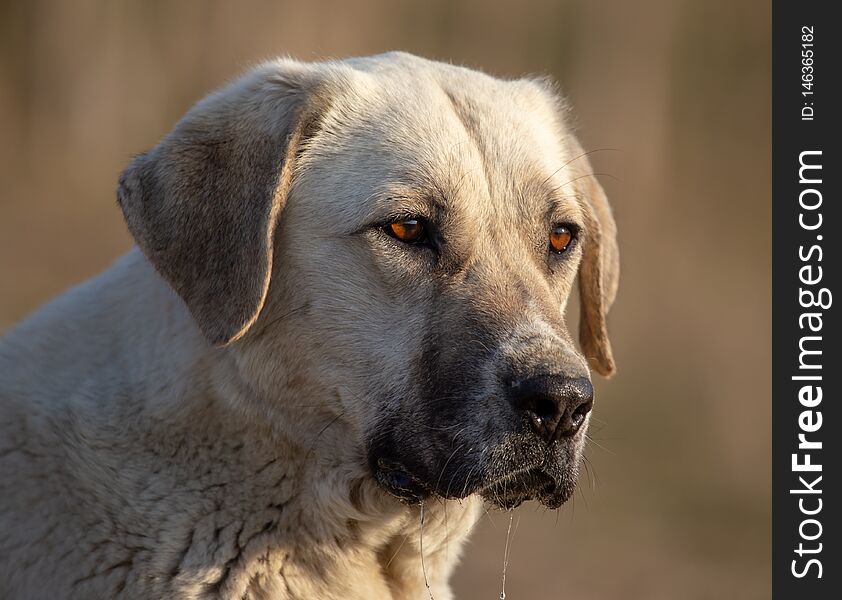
203,204
599,273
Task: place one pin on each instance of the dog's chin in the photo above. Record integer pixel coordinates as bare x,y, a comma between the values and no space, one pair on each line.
506,493
533,484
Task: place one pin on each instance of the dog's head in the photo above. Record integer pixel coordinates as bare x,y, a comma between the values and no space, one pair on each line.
399,238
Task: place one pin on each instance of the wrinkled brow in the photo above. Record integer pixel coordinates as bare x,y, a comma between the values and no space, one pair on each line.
394,202
543,196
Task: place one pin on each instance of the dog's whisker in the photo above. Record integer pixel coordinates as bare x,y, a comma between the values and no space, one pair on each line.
590,174
446,531
600,446
443,428
467,480
447,462
577,157
267,326
453,477
462,179
488,516
477,465
318,436
586,467
397,551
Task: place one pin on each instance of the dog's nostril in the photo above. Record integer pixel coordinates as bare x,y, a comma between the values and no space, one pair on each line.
545,409
555,406
579,415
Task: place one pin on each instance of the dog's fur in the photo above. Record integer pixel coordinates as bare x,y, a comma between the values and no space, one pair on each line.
209,417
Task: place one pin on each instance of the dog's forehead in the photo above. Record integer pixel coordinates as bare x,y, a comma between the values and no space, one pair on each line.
401,124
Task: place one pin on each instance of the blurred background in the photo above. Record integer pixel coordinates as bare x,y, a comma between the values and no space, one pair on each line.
676,501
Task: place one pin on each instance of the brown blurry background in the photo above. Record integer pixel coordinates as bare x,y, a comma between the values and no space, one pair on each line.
677,501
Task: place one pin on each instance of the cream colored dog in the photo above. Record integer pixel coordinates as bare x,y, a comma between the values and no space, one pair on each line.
345,316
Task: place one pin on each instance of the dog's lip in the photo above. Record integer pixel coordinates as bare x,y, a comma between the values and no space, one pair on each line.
509,491
532,483
400,482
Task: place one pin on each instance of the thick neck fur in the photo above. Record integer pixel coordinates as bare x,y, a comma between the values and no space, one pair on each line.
140,477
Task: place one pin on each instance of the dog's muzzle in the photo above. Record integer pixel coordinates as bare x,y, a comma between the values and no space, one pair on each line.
535,457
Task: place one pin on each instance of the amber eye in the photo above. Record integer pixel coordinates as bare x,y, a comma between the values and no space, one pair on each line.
411,231
560,238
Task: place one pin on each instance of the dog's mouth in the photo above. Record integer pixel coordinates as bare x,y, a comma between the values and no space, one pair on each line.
532,484
399,482
507,492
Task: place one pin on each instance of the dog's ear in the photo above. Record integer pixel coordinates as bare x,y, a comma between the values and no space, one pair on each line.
599,271
203,204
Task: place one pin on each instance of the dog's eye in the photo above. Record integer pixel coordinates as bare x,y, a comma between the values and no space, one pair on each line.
411,231
560,238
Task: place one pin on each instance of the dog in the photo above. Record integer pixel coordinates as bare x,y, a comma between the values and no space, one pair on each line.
340,335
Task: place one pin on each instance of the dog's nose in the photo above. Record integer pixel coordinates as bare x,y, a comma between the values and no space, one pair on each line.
556,405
